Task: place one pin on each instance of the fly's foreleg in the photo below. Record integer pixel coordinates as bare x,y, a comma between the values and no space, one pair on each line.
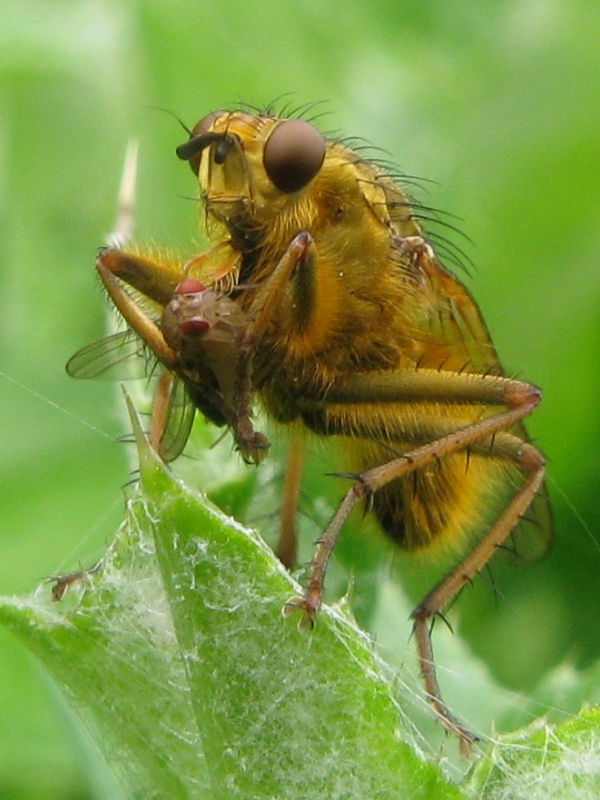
296,261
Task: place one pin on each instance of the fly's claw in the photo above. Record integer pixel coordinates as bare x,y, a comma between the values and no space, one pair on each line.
254,447
307,610
62,583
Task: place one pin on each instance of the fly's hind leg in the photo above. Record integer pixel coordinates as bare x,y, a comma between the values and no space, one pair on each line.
486,436
529,459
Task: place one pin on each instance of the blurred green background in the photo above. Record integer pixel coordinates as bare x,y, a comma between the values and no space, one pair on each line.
498,102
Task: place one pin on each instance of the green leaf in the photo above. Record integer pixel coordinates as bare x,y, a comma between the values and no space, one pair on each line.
178,654
543,761
111,647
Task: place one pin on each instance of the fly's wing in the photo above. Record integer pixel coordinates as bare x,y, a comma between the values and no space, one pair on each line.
449,331
450,334
121,356
533,535
179,417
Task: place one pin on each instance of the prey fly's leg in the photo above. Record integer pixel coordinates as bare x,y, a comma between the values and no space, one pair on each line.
160,412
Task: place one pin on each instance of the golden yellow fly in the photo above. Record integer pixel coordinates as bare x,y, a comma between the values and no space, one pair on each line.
322,300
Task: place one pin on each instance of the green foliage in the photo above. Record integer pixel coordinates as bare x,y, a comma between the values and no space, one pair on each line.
497,102
196,684
543,761
176,653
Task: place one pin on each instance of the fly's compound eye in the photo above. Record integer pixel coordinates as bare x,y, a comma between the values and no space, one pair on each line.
293,155
190,286
206,123
195,326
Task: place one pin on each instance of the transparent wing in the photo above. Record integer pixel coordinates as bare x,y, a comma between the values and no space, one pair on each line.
533,535
121,356
451,335
178,421
448,330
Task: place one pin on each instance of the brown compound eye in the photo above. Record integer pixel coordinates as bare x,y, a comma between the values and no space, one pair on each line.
293,155
206,123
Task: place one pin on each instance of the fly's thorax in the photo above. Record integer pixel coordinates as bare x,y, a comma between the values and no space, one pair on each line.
345,211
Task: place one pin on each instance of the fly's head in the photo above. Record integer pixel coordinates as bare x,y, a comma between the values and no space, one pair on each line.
251,168
263,179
